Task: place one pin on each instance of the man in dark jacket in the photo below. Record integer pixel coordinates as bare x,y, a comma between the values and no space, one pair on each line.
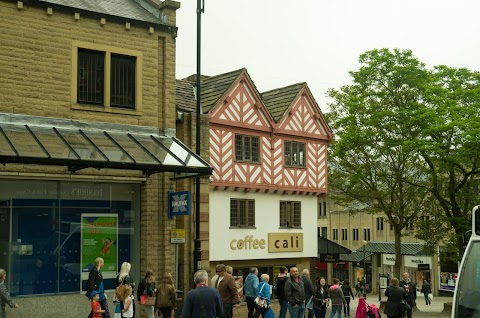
203,301
279,288
308,288
411,291
295,294
95,283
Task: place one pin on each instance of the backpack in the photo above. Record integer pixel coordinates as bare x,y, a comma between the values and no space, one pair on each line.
120,292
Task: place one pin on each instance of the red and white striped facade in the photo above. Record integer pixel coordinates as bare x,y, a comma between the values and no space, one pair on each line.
241,111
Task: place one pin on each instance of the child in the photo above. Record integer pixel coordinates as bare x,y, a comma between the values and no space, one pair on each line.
96,309
127,311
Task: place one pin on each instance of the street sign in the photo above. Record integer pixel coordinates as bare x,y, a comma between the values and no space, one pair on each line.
423,267
177,236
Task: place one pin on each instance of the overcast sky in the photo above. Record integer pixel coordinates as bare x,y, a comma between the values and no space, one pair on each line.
284,42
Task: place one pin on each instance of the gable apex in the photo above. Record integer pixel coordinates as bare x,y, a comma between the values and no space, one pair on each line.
279,100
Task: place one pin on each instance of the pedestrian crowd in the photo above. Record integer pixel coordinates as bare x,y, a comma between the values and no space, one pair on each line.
296,294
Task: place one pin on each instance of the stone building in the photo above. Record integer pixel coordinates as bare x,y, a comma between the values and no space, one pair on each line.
88,147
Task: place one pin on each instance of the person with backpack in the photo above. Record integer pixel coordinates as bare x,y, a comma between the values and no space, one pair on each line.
279,290
347,292
95,283
166,297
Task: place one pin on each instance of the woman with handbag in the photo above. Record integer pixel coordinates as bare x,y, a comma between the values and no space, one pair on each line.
146,294
320,298
263,295
396,300
166,297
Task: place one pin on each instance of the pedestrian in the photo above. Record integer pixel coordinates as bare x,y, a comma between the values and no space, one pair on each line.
395,295
127,311
95,283
347,292
335,294
203,301
295,294
360,289
97,310
426,290
411,290
308,288
361,308
228,290
279,288
5,295
147,288
320,298
123,278
263,291
250,288
166,297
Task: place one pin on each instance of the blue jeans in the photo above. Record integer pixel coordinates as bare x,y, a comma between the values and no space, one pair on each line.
297,311
338,309
283,308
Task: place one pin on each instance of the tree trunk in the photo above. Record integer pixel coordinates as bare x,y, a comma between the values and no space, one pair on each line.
398,254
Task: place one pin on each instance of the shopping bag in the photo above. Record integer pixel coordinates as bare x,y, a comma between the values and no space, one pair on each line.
269,313
430,297
118,310
310,303
143,299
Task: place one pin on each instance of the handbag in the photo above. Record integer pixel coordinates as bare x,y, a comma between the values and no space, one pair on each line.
150,301
118,310
310,303
143,299
260,301
403,306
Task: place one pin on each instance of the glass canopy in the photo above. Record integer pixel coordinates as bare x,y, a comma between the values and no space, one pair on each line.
96,148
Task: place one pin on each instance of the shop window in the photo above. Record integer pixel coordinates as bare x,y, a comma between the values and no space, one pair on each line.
242,213
46,254
247,148
294,154
355,234
290,214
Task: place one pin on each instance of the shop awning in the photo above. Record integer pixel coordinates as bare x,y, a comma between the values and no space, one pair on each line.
79,145
355,256
389,248
330,247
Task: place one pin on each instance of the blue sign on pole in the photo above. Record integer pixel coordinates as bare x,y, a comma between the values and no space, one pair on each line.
178,203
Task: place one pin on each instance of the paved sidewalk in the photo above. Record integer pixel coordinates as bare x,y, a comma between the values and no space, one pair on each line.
434,309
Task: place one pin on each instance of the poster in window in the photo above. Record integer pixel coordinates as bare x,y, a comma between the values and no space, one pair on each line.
99,239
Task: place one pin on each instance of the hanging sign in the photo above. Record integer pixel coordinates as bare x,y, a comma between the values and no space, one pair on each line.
179,203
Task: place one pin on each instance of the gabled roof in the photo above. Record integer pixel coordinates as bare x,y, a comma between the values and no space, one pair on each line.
389,248
279,100
185,96
214,87
128,9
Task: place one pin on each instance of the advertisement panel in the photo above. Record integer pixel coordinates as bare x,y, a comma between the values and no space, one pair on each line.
448,280
99,239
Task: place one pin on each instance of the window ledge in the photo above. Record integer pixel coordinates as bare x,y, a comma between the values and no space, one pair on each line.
103,109
290,228
294,167
242,227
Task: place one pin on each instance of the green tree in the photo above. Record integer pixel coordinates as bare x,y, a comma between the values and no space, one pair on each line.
413,135
370,167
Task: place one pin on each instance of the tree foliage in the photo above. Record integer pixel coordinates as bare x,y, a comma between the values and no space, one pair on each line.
407,143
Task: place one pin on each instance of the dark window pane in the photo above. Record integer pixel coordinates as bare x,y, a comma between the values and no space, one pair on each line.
238,147
122,86
233,213
288,153
248,149
255,149
91,71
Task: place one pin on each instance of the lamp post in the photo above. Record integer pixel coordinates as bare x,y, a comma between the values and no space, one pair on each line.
364,270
